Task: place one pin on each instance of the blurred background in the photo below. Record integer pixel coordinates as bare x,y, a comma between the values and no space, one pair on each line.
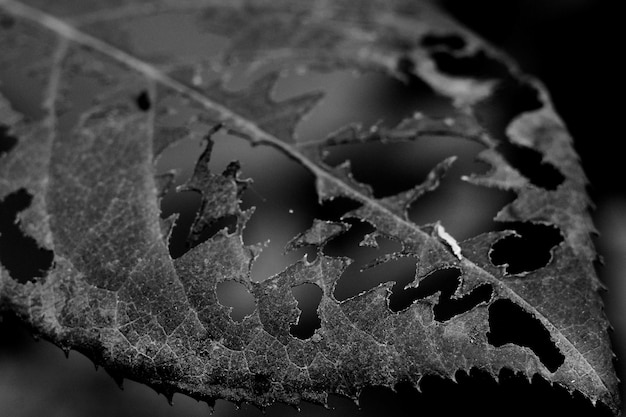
571,45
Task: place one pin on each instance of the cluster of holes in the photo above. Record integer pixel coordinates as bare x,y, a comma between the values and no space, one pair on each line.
357,277
25,260
512,97
283,216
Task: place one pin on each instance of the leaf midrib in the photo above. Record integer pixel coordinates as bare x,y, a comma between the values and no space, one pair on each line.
260,136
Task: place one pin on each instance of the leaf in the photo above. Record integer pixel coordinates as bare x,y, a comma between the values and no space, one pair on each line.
114,292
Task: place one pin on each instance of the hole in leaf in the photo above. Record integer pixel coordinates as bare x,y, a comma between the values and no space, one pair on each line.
235,295
479,65
527,252
510,98
309,297
227,222
186,204
445,281
355,280
6,21
280,213
509,323
464,209
451,307
530,164
282,208
283,191
334,209
384,167
366,98
143,101
447,41
7,141
181,158
508,101
19,253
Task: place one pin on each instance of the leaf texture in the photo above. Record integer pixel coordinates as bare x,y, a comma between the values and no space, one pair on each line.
114,292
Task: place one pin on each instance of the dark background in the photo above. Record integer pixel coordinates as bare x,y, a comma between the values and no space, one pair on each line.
573,47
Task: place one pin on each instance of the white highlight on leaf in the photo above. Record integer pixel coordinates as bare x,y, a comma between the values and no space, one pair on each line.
446,237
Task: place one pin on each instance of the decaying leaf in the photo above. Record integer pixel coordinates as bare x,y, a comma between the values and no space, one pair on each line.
88,109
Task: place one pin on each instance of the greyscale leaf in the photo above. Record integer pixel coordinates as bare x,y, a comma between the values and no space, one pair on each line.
113,290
